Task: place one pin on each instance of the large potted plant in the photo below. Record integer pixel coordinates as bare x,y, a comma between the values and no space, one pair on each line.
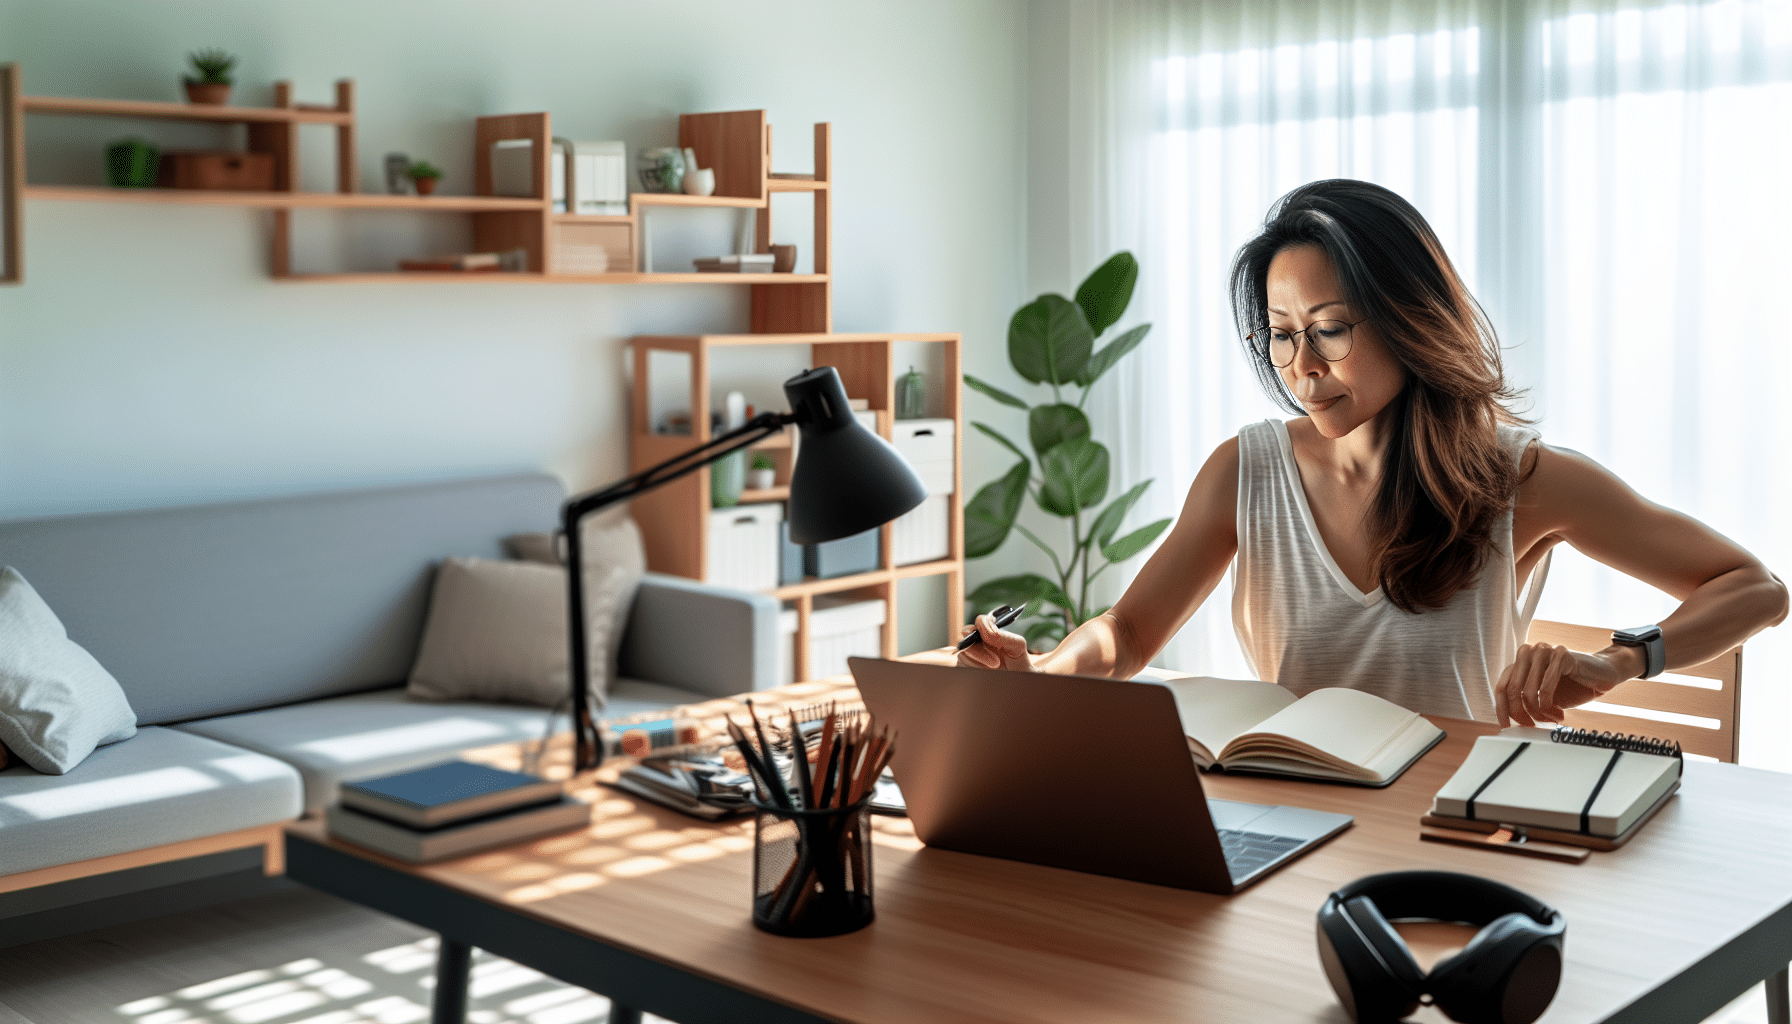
1051,342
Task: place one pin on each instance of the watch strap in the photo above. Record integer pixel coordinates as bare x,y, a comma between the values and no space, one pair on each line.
1655,651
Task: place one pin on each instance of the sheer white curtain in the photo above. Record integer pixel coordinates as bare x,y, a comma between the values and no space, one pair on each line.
1609,179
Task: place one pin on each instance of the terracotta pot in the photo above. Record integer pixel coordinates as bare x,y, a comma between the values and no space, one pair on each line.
425,185
211,94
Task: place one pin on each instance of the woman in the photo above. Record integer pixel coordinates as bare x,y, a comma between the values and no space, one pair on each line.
1395,539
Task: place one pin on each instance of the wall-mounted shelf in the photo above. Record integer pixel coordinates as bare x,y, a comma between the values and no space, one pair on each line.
736,144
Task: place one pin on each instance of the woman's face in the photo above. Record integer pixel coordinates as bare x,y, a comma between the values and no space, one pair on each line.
1339,396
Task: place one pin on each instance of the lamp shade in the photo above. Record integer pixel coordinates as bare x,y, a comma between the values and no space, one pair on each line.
847,479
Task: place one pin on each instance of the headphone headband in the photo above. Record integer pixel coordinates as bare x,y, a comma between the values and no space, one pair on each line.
1446,895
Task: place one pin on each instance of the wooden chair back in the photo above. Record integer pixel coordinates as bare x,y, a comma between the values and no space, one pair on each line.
1722,704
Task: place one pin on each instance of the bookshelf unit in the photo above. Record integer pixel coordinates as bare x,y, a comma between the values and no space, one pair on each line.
674,518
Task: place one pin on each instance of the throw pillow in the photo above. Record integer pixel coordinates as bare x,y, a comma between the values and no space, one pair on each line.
56,702
496,631
615,559
535,547
614,563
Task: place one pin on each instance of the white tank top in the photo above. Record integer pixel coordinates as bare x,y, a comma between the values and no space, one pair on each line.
1303,624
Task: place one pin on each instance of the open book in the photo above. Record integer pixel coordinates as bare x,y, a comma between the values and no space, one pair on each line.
1337,734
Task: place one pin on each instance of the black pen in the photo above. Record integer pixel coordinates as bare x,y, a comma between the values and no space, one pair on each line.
1005,617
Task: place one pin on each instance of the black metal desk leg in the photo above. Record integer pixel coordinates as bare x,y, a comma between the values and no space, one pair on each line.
624,1014
453,962
1778,1012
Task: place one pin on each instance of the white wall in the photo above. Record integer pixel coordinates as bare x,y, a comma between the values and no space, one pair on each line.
149,360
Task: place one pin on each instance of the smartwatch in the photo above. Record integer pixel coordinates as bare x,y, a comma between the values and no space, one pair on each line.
1655,652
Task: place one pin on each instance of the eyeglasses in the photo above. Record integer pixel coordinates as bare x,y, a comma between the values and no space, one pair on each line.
1328,339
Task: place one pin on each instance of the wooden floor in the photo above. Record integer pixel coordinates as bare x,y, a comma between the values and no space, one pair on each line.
301,957
295,957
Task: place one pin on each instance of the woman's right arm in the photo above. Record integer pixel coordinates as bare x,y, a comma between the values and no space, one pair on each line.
1177,578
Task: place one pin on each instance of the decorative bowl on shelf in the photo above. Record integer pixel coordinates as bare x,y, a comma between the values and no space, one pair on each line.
661,169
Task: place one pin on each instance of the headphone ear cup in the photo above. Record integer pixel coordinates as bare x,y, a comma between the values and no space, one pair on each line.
1367,963
1507,974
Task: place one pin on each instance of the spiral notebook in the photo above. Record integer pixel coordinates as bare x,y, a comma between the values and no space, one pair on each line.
1573,783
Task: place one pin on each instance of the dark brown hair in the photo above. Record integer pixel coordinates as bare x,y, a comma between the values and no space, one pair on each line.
1445,481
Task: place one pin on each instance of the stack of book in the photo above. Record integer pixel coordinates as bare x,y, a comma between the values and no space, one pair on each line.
750,263
451,809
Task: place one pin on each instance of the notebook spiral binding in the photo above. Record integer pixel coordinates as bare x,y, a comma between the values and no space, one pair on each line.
1617,741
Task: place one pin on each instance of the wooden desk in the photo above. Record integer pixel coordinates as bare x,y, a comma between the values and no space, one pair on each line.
652,909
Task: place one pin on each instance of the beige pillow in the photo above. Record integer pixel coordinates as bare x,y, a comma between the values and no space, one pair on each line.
496,631
489,621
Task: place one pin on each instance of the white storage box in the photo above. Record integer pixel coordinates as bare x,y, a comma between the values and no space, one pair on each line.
839,628
927,445
743,546
924,533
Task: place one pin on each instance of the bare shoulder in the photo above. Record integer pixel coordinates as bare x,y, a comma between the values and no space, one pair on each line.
1558,483
1212,501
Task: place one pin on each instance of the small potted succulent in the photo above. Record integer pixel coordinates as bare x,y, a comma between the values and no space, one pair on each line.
764,472
424,174
212,86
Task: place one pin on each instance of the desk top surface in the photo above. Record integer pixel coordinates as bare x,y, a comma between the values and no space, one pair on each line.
966,938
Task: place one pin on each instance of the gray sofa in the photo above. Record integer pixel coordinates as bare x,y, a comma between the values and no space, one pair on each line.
263,646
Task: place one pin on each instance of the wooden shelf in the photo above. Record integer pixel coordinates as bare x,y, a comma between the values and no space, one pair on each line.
183,111
680,199
682,342
794,185
749,495
637,278
409,276
812,586
280,200
594,218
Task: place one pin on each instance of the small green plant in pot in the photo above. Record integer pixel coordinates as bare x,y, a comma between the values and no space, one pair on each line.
1051,342
763,472
211,80
424,175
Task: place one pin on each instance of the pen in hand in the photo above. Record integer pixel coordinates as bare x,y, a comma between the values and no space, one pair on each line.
1004,617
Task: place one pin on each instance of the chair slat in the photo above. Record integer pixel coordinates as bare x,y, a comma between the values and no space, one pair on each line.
1724,704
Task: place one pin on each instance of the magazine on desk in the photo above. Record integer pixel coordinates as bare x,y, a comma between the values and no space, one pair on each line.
1334,734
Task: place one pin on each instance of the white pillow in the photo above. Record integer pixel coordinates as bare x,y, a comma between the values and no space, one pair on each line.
56,702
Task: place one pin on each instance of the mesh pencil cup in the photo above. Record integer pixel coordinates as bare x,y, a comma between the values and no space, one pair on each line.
812,870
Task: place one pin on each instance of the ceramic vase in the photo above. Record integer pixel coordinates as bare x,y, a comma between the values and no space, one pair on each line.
700,183
209,94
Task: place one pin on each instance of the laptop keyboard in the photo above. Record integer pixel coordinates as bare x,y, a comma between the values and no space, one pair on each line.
1248,851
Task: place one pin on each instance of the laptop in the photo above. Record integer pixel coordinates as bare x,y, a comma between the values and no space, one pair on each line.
1071,772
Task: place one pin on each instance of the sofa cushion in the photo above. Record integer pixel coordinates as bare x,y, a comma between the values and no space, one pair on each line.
496,631
161,786
366,735
634,697
56,702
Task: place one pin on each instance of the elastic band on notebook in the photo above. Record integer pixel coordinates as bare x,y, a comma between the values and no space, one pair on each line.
1586,812
1507,763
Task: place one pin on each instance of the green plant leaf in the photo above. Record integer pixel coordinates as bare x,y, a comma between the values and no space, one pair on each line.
1049,340
1041,545
1003,441
1028,588
1044,629
994,392
989,515
1110,354
1108,523
1076,476
1104,294
1047,425
1134,542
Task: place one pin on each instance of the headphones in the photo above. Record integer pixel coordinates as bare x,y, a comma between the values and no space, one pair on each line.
1507,974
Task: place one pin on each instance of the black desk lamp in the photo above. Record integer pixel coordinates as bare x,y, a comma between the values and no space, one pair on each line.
846,481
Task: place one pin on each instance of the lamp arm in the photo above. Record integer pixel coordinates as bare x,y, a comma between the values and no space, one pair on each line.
587,746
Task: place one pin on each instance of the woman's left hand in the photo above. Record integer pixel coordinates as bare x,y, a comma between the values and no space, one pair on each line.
1547,679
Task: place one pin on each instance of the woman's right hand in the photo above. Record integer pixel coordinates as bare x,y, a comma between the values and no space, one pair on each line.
999,649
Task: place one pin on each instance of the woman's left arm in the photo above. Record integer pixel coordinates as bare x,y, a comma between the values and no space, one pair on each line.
1726,595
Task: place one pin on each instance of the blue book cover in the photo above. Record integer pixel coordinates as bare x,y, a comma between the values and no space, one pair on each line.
446,792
